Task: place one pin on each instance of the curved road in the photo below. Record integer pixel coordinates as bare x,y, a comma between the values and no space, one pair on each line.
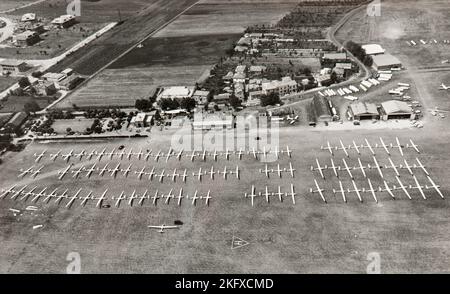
8,30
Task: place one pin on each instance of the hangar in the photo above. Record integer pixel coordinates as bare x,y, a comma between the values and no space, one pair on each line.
319,110
385,62
362,111
394,109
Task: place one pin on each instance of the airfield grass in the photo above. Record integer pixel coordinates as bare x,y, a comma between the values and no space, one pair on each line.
402,21
309,237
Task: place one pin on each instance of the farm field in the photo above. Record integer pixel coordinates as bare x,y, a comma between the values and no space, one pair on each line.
100,52
100,11
167,52
54,43
6,82
225,17
16,103
121,88
178,51
411,236
6,5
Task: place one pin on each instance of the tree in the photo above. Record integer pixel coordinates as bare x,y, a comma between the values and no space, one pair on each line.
69,130
368,60
188,103
235,102
270,99
31,107
168,104
24,82
143,104
229,52
37,74
333,77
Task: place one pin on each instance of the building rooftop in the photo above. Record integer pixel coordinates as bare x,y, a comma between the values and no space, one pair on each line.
177,92
201,93
240,68
320,107
361,108
215,120
239,76
285,81
63,19
373,49
54,76
323,78
140,117
257,68
385,60
344,65
28,17
396,107
25,35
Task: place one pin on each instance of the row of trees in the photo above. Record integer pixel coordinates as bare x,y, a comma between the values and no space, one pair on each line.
357,50
270,99
171,104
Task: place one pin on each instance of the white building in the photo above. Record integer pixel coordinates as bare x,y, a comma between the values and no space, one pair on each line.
177,92
64,21
213,123
373,49
240,68
385,62
201,97
395,109
12,66
282,88
53,77
28,17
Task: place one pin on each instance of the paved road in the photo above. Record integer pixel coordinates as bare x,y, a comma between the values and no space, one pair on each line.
7,31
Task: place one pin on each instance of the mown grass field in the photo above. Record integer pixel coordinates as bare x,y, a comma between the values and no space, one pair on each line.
411,236
143,22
